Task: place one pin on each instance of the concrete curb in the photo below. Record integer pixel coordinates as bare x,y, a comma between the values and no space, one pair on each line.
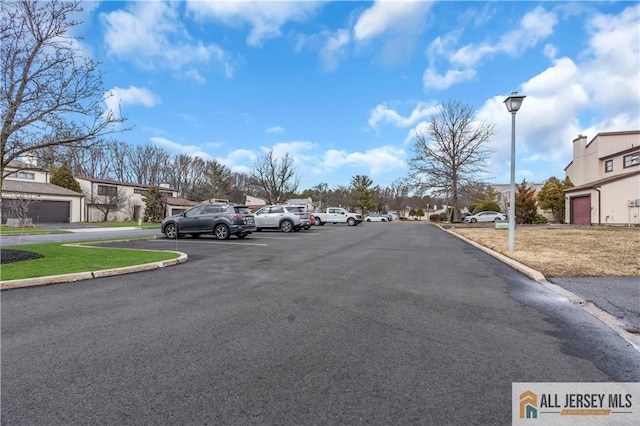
79,276
603,316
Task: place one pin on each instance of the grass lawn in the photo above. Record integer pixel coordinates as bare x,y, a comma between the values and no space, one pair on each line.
10,230
60,259
556,251
144,225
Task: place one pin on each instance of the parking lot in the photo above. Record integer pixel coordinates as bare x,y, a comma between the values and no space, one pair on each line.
381,323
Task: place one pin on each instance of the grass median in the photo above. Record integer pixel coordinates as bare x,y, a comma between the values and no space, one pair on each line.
62,258
564,251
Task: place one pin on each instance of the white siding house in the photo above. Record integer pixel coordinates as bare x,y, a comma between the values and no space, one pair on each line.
127,199
606,175
45,202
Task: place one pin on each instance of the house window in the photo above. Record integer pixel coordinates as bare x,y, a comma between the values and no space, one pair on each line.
139,191
632,159
110,191
608,166
26,175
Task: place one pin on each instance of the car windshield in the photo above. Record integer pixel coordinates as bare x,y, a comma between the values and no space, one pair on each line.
294,209
242,210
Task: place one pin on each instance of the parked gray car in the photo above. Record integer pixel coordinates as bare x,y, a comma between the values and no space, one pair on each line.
286,218
220,219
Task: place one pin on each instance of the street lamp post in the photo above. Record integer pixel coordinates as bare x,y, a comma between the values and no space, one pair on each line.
513,103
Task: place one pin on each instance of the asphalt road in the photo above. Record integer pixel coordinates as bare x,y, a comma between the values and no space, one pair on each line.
381,323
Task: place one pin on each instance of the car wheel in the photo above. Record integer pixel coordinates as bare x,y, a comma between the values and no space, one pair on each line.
286,226
351,222
221,232
474,220
195,235
258,229
317,222
241,236
384,220
171,231
368,220
306,228
497,219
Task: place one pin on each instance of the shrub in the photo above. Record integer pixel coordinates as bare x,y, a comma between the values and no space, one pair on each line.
539,219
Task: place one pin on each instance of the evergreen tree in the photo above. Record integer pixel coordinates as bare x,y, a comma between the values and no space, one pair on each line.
526,206
156,205
551,196
366,197
63,177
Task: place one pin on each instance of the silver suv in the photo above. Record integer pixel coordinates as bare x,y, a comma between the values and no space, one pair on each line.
220,219
286,218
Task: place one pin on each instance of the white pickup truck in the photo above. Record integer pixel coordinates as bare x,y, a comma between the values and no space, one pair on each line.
337,215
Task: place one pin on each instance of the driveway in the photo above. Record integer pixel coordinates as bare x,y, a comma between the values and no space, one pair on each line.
398,324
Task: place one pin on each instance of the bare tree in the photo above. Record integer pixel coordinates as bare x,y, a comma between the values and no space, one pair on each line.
399,195
217,183
111,202
51,95
18,209
320,192
240,187
451,152
276,177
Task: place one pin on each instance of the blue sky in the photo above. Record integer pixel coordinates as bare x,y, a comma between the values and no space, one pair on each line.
344,86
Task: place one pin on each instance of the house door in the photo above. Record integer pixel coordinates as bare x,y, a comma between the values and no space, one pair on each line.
581,210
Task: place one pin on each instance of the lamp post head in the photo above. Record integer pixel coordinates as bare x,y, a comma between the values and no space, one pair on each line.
513,102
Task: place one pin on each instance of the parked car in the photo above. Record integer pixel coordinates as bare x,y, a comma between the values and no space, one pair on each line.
286,218
485,217
376,217
337,215
220,219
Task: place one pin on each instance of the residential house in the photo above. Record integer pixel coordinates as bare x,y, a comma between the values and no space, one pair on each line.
504,194
254,203
606,175
307,203
123,201
27,186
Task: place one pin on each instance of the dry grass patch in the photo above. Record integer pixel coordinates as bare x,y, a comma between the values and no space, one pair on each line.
565,251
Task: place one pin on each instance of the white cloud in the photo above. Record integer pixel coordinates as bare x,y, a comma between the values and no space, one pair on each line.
191,150
333,49
611,72
377,160
383,114
550,51
274,129
395,16
396,23
265,18
534,26
119,97
297,150
433,80
150,35
420,128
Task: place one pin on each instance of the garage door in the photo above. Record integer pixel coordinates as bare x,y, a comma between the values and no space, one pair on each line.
41,211
581,210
